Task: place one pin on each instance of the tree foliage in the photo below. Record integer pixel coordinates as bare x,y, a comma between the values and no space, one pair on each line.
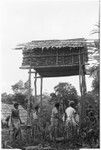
95,69
7,98
21,91
21,87
90,102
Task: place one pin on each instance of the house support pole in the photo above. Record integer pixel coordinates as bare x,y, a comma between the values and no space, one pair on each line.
41,90
82,84
29,99
35,85
29,110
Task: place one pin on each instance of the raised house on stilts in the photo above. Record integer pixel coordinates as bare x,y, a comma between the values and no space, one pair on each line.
55,58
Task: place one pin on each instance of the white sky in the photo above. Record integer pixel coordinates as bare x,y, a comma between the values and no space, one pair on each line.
27,20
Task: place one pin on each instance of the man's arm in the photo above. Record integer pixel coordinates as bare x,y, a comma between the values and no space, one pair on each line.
75,115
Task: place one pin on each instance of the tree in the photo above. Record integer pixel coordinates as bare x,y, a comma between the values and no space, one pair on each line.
21,87
95,57
94,70
4,97
18,87
95,73
21,91
7,98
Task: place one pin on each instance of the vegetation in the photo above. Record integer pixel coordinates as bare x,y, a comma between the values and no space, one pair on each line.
20,94
90,108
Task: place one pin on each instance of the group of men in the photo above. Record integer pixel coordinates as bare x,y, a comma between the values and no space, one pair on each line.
68,118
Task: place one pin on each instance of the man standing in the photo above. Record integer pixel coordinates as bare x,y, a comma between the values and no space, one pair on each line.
35,128
71,120
54,121
16,121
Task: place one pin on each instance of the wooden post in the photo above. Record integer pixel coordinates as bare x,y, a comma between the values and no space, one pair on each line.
80,74
28,131
29,99
35,81
80,83
84,89
41,90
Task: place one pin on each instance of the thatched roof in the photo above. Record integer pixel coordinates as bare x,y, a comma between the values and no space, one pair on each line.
54,58
81,42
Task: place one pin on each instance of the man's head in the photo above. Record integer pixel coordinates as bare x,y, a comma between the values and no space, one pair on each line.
37,108
57,105
16,105
71,103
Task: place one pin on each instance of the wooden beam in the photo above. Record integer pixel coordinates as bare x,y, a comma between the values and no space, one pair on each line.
55,55
54,66
26,67
49,66
37,77
32,72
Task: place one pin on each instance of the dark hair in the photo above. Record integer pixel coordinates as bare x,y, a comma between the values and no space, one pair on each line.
71,103
7,119
57,105
16,104
36,107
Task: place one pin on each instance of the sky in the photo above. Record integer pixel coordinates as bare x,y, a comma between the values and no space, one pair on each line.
28,20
